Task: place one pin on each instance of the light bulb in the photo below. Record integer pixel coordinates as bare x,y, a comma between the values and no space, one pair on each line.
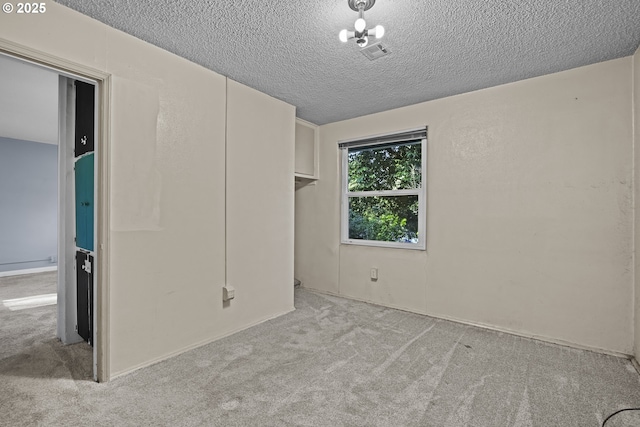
379,31
360,25
343,36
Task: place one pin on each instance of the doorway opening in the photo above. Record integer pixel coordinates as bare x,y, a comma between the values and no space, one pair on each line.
80,239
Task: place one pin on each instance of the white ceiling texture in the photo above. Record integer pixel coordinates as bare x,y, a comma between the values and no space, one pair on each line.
290,49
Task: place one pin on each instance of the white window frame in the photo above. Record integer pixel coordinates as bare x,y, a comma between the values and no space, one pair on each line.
420,192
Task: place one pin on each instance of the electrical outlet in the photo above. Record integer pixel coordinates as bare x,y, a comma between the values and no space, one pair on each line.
374,274
228,293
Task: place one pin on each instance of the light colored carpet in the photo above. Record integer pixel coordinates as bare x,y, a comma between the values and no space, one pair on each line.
332,362
29,348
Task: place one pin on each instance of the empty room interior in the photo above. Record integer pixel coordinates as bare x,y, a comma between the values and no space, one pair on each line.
332,213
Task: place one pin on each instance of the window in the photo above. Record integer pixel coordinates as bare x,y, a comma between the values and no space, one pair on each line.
383,190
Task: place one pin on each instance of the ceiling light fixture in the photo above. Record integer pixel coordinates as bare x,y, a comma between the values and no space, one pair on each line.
361,33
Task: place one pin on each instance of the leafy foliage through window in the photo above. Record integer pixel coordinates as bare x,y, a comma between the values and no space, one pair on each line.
383,194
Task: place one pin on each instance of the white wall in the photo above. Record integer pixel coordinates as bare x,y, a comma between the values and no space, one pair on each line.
260,161
28,204
167,182
636,142
29,101
529,217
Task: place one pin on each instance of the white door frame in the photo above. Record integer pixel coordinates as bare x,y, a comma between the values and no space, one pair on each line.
67,298
101,362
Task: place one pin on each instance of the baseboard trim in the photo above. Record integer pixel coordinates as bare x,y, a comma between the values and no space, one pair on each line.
167,356
28,271
541,338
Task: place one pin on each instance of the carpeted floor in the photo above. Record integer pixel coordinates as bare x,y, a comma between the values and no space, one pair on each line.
28,343
332,362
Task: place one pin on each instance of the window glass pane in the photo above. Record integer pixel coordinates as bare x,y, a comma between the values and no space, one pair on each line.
385,218
391,167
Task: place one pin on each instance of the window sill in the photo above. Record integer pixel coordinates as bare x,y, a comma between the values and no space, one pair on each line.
385,245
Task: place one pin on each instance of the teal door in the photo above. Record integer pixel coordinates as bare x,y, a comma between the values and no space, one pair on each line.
84,202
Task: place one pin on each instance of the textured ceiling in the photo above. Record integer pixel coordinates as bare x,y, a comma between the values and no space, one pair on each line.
290,49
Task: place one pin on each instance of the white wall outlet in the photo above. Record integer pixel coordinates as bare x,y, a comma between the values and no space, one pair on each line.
228,293
374,273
